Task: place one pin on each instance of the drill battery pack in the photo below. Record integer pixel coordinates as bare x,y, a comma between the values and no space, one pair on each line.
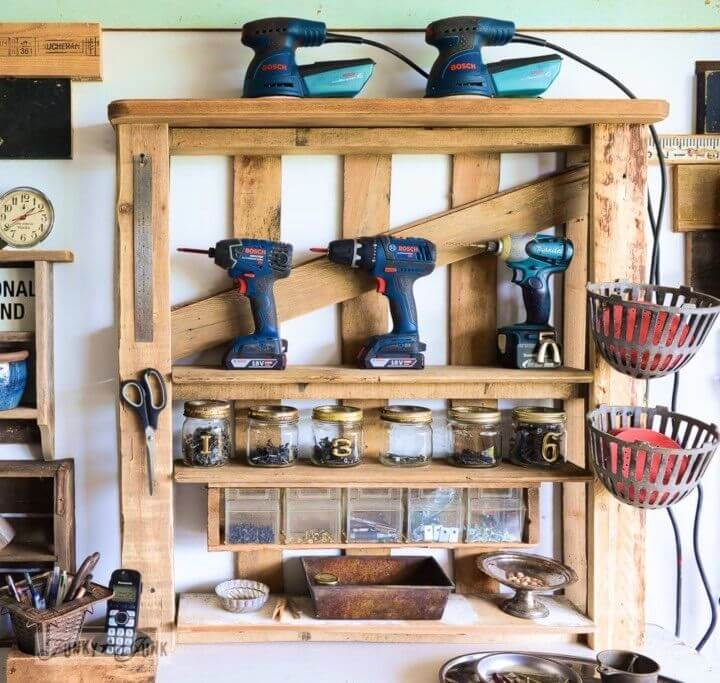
255,356
528,347
392,352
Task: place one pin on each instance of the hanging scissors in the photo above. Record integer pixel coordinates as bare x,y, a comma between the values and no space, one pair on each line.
148,409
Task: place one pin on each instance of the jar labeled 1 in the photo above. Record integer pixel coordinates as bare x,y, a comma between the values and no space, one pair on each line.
474,435
407,436
272,436
207,436
337,436
538,436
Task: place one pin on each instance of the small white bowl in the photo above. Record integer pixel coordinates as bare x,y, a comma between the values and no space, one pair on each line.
240,595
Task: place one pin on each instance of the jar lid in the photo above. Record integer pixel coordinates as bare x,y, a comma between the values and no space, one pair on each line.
337,414
538,415
475,414
274,413
406,414
207,410
326,579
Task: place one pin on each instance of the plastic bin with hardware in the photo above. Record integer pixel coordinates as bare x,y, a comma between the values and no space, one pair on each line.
252,516
435,515
495,516
374,516
313,516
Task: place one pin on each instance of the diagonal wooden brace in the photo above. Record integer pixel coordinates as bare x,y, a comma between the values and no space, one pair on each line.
549,201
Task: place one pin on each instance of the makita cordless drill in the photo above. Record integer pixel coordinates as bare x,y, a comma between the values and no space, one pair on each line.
533,259
395,263
255,265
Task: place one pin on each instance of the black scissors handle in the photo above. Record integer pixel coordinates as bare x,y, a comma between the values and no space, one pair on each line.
128,390
146,405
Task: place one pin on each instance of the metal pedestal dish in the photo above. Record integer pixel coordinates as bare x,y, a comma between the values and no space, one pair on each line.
506,566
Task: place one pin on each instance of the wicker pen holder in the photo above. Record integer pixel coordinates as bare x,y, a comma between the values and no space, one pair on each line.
50,631
644,475
649,331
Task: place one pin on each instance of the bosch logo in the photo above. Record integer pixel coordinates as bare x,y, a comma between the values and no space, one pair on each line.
463,66
254,250
273,67
392,247
408,248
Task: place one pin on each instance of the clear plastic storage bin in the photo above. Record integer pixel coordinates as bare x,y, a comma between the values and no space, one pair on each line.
495,516
252,516
374,516
435,515
313,516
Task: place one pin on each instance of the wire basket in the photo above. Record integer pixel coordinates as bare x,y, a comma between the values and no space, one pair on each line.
643,475
50,631
648,331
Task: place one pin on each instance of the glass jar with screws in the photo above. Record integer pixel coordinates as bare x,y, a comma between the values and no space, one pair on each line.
538,436
272,436
407,436
337,435
474,436
207,435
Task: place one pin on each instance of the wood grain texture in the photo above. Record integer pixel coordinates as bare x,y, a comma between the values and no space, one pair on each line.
618,169
372,113
147,521
256,198
43,50
317,283
372,473
696,197
374,141
467,619
64,515
574,330
44,357
33,255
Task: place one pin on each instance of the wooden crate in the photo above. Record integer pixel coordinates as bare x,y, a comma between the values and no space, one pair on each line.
600,198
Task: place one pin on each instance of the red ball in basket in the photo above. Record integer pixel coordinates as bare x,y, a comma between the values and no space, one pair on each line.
636,435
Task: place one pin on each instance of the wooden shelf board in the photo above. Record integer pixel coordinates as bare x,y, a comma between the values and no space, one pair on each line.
372,473
405,112
19,413
16,551
467,618
15,336
254,547
20,256
316,381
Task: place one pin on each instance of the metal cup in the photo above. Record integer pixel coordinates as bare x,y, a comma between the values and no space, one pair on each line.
621,666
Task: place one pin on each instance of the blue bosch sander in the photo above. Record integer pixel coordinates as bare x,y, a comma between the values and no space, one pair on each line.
460,70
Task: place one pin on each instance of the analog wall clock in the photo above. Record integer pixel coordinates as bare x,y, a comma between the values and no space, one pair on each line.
26,217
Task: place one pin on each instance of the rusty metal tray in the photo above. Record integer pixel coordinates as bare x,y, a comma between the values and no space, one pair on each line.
381,587
463,669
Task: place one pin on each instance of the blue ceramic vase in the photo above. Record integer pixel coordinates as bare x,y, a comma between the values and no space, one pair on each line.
13,378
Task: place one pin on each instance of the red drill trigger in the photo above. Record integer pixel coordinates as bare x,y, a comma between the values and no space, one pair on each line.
241,285
380,285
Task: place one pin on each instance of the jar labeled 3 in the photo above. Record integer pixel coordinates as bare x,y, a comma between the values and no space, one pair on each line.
337,436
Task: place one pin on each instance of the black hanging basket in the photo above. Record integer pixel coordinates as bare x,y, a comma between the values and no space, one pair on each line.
649,331
644,475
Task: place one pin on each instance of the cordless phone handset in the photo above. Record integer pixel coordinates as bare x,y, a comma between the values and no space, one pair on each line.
123,612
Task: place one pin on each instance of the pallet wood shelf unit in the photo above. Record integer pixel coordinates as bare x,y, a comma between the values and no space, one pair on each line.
600,200
29,423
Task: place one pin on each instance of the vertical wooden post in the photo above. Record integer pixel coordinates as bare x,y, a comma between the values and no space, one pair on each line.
366,212
574,496
44,357
257,184
472,317
618,175
147,521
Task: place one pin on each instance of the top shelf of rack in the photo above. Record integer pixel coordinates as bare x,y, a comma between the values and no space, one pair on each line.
362,113
20,256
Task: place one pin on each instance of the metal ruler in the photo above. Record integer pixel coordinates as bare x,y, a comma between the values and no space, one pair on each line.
143,246
687,149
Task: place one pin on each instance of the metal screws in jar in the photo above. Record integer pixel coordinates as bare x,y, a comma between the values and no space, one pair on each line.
407,436
475,436
337,435
538,436
207,436
272,436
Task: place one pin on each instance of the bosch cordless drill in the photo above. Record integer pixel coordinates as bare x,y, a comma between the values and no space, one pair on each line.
273,71
459,69
395,263
533,259
255,265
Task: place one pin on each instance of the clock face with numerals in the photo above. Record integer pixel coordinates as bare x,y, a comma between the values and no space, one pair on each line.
26,217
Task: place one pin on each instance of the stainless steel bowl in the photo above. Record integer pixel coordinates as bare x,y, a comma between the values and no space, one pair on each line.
240,595
525,665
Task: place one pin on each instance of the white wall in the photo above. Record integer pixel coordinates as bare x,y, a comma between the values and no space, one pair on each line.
166,64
